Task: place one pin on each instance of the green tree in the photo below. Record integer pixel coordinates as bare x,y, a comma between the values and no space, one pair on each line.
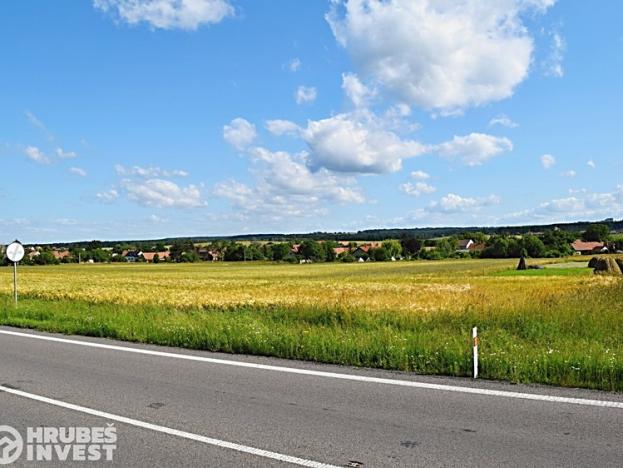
393,248
379,254
533,246
411,246
596,233
181,247
312,250
329,252
45,257
280,251
234,252
497,247
557,243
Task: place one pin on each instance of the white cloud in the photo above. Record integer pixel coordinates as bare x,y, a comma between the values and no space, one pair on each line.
156,219
35,154
282,127
168,14
35,121
504,121
295,64
108,196
417,189
285,187
240,133
474,149
305,94
356,91
590,163
553,63
151,171
453,203
163,193
347,143
420,175
547,161
586,204
61,153
436,54
582,204
569,173
78,171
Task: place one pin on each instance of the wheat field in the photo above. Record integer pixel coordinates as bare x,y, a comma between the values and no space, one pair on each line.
550,327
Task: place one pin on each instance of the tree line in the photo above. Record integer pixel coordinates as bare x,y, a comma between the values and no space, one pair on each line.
549,244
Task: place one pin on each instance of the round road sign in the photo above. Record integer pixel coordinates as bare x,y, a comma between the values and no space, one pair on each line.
15,251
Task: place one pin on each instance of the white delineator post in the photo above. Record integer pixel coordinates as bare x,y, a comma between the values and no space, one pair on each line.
475,354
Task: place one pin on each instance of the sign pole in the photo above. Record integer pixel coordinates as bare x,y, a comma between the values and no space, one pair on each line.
15,252
15,281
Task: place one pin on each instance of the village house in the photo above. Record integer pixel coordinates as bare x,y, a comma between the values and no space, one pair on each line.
209,255
364,249
464,245
340,250
581,247
61,254
132,255
469,245
162,256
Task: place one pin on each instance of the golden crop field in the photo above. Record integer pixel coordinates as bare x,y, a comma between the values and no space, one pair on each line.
560,325
402,286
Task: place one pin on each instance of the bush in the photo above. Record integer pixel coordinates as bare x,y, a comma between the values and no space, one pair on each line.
380,254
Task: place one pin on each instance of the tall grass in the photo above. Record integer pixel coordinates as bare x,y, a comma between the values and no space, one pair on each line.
563,337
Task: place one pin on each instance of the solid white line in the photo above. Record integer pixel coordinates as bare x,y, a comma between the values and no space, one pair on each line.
170,431
332,375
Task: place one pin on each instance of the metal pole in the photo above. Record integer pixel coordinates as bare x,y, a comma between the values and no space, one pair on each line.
15,282
475,355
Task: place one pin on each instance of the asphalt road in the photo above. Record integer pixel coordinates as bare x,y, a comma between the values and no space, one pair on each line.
316,418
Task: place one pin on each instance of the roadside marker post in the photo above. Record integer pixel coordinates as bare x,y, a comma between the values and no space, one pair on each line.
15,253
475,350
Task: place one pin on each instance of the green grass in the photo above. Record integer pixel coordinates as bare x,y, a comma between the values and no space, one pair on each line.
570,339
547,272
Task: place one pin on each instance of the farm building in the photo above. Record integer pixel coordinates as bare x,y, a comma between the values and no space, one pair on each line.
588,248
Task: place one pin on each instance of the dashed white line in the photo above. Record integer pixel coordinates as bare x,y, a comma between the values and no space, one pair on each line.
167,430
331,375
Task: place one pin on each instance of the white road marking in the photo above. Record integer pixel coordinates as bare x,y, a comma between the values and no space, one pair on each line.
170,431
331,375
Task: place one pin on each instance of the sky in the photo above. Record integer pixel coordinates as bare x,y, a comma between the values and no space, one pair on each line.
143,119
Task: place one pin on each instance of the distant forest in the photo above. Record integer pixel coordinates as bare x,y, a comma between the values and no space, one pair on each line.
369,234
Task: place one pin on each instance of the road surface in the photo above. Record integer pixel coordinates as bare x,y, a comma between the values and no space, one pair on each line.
174,407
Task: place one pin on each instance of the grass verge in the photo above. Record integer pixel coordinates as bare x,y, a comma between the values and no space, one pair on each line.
574,340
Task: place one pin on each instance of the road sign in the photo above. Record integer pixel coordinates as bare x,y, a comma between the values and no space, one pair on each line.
15,251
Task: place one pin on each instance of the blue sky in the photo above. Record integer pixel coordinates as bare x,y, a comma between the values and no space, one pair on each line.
154,118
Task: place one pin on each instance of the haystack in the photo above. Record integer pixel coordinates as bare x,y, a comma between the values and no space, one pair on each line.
608,266
522,263
620,263
593,262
